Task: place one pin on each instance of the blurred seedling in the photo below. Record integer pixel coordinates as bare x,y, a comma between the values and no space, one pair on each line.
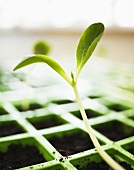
39,47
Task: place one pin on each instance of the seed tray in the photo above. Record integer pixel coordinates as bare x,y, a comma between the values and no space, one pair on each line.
53,116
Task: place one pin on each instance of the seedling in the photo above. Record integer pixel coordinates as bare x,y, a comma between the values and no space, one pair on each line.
87,44
40,47
25,102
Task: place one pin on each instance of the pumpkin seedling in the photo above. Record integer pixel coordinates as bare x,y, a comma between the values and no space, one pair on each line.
39,47
87,44
25,102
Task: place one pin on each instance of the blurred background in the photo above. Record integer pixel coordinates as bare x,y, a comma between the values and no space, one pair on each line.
61,22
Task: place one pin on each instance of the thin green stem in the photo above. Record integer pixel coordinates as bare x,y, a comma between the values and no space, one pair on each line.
103,154
25,102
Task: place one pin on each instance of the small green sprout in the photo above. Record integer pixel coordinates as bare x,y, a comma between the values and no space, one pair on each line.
41,47
87,44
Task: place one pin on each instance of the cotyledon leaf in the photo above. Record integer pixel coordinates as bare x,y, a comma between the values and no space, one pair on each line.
87,44
31,59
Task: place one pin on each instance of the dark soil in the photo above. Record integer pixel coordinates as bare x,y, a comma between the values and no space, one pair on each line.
19,156
95,96
3,111
132,117
62,101
72,143
46,122
117,107
10,128
32,106
131,150
90,113
103,166
115,130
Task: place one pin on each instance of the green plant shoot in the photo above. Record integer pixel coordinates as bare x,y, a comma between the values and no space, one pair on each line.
87,44
41,47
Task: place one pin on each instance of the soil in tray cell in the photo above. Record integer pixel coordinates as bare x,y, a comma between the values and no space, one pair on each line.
90,113
47,122
73,143
115,130
95,96
117,107
103,166
132,117
19,156
3,111
32,106
10,128
131,150
62,101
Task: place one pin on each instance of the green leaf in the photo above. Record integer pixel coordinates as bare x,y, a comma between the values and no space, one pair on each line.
45,59
87,44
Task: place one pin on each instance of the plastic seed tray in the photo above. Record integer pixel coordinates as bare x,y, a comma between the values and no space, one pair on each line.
40,110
